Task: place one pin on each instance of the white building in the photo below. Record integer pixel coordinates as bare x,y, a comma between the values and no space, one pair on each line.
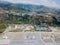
19,27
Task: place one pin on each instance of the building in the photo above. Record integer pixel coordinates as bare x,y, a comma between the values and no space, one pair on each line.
22,27
41,28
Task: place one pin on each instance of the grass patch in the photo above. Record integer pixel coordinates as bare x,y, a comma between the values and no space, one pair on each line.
16,31
22,31
2,30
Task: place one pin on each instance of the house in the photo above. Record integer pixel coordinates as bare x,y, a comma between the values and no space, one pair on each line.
41,28
22,27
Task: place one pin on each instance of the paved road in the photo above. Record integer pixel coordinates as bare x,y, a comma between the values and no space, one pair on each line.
34,38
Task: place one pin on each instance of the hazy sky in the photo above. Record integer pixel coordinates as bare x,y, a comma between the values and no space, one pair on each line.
53,3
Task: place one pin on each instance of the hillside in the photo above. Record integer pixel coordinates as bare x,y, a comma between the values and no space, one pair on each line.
27,14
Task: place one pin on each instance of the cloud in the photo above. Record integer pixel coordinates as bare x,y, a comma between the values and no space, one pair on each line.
50,3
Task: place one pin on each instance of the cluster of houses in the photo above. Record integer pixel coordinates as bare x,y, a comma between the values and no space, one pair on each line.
26,27
19,27
22,27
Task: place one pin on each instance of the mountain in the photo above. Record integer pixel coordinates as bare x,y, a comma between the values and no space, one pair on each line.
10,6
29,6
26,9
4,4
38,9
11,13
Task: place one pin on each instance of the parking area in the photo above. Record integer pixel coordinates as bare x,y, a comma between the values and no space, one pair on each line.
34,38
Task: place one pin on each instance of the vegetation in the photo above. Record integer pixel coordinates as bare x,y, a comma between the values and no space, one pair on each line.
3,25
35,15
34,20
16,31
22,31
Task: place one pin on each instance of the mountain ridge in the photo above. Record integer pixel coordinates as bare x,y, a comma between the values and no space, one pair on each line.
28,7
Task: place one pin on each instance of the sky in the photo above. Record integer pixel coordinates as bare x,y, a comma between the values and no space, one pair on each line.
52,3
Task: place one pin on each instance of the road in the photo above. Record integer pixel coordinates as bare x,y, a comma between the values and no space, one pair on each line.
34,38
